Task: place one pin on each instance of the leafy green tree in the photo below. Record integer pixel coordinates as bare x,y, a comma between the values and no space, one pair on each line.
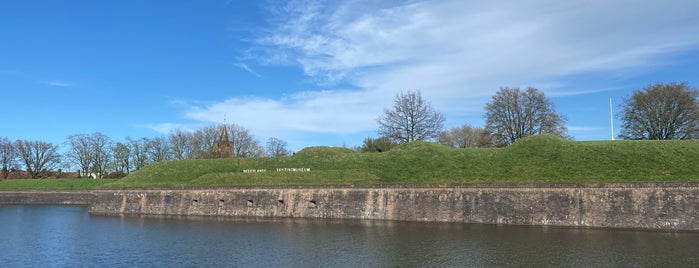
513,114
661,112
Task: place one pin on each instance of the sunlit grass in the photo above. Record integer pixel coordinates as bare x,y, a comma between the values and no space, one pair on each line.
542,159
53,184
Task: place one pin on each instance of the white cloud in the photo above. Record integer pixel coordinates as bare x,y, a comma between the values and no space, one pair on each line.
457,52
317,112
165,128
481,40
55,83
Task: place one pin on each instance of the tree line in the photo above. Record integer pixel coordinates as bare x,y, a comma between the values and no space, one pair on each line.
96,155
661,111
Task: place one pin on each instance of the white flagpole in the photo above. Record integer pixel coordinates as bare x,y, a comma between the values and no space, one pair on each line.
611,117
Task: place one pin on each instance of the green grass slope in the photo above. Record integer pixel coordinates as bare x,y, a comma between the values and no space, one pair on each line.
52,184
539,159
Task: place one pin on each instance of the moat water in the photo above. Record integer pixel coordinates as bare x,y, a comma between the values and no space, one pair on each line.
68,236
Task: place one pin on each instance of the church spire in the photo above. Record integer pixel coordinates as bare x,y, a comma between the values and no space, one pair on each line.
223,147
224,130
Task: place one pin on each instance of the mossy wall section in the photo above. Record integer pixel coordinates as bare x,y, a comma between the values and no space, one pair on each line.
654,206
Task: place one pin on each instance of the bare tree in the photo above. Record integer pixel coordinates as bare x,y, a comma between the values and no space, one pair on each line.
101,153
139,151
513,114
204,140
80,152
244,143
411,119
91,152
122,157
8,157
158,150
277,147
661,112
381,144
38,156
183,145
200,143
466,136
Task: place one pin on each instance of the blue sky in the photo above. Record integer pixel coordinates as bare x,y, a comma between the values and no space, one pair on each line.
321,72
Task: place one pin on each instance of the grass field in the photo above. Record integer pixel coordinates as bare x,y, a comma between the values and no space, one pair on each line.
53,184
541,159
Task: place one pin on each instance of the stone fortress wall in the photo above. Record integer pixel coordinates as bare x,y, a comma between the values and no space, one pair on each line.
652,206
46,197
613,205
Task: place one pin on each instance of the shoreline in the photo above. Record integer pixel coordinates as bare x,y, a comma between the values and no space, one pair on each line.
659,206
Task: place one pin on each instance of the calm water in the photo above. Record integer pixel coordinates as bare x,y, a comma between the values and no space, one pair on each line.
67,236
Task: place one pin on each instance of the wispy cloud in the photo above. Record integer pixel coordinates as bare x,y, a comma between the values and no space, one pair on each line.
166,128
477,41
56,83
457,52
246,68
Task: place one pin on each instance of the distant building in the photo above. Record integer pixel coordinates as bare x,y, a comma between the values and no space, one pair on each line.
223,147
90,175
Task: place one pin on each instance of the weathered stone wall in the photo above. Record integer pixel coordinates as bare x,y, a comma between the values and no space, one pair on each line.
46,197
656,206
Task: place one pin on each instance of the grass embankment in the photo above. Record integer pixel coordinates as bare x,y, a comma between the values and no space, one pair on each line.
541,159
53,184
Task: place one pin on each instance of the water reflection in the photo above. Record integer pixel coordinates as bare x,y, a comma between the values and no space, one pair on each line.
65,236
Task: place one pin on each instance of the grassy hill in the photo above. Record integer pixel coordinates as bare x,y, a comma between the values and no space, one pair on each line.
540,159
52,184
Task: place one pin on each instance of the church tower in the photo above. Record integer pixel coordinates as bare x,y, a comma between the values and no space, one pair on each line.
223,147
